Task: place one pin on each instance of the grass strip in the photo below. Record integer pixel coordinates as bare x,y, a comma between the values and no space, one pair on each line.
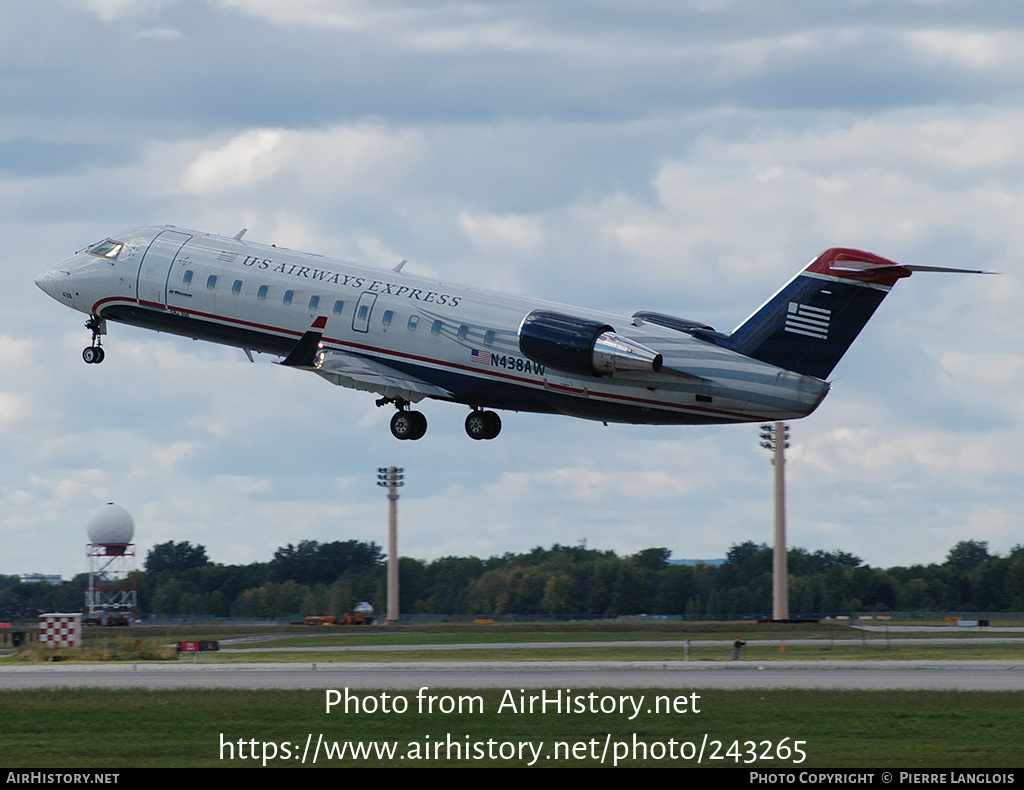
892,729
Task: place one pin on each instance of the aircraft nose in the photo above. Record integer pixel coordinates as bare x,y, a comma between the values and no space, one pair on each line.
51,282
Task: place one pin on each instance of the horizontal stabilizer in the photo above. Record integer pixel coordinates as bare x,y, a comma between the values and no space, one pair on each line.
369,375
917,268
863,266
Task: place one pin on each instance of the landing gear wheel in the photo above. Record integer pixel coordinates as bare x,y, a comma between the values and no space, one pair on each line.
493,424
93,355
483,425
421,424
408,425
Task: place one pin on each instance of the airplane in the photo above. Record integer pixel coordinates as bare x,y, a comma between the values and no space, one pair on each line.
407,338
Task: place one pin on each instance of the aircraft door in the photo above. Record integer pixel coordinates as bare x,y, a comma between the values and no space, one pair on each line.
156,266
361,316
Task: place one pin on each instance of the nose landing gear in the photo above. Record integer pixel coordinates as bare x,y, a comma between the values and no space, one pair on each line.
93,355
483,424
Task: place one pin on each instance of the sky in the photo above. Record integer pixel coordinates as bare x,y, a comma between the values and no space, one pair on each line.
685,156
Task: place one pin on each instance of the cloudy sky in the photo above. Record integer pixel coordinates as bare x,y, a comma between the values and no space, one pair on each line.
686,156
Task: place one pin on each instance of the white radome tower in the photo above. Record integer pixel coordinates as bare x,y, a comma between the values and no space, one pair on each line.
112,597
111,525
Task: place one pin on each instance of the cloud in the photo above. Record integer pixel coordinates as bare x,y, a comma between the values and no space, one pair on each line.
115,10
505,232
977,51
12,408
243,161
160,34
449,28
685,157
355,160
312,13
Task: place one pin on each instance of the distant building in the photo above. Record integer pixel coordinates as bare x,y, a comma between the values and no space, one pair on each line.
698,562
41,578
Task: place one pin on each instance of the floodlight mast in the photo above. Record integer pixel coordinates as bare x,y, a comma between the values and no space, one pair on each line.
775,437
391,477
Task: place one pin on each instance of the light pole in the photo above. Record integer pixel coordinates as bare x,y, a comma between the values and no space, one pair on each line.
391,478
775,437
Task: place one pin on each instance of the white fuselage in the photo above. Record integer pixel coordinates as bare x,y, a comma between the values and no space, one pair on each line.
462,340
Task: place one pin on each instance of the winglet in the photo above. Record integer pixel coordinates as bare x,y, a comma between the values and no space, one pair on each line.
238,236
303,353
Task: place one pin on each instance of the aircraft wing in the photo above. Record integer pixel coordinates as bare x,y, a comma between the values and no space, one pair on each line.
362,373
355,371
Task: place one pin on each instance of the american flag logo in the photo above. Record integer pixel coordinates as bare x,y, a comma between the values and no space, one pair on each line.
480,357
802,319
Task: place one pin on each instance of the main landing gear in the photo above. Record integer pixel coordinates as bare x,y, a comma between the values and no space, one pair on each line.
93,355
483,424
408,424
405,424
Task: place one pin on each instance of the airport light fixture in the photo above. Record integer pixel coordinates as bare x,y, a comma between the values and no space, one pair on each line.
775,437
392,478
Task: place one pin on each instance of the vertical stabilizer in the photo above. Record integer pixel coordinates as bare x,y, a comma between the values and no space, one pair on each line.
807,326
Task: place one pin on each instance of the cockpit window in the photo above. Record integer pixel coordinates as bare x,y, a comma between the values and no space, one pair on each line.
108,248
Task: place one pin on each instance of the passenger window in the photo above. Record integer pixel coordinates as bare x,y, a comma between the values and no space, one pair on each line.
413,321
436,328
489,336
236,287
211,281
463,331
364,312
288,296
338,306
262,292
388,315
187,276
314,302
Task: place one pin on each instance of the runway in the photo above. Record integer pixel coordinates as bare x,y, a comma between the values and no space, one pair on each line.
858,675
636,643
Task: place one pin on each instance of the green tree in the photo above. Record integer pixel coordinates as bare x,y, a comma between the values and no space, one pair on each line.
312,562
968,554
175,557
652,559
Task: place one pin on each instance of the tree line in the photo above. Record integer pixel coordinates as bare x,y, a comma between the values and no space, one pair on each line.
314,578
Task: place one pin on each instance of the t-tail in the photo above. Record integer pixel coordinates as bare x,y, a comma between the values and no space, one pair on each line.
807,326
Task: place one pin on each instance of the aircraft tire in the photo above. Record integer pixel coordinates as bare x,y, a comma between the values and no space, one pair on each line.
92,355
421,424
493,424
476,425
482,425
408,425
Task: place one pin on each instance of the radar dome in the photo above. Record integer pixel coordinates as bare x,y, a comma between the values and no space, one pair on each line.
111,525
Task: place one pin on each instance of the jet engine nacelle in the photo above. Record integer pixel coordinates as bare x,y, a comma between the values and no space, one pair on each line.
582,345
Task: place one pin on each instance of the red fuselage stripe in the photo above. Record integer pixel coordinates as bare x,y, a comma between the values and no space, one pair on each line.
476,371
